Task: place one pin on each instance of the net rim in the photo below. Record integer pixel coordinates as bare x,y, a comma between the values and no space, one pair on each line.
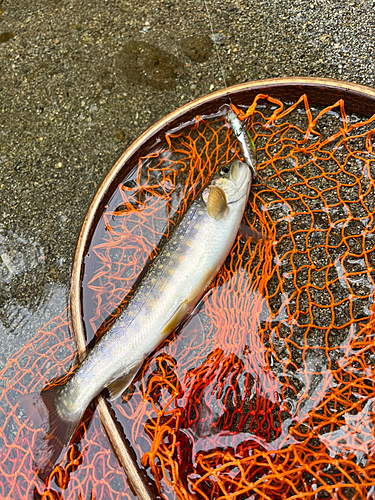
319,91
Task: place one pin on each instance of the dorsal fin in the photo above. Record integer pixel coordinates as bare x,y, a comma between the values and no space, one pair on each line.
217,206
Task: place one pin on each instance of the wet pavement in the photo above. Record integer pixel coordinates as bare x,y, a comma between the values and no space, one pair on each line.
80,81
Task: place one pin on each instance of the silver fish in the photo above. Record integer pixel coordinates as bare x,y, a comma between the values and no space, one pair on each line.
167,294
239,129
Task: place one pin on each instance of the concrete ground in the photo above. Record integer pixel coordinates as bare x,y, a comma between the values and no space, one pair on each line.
80,80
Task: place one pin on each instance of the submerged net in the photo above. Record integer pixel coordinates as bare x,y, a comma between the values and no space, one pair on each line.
268,391
89,469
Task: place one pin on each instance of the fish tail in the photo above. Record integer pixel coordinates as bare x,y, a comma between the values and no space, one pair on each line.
42,409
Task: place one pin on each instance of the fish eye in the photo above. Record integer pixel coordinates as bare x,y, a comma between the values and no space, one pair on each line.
224,170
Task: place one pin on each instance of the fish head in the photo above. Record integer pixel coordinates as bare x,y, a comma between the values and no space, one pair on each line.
234,179
228,189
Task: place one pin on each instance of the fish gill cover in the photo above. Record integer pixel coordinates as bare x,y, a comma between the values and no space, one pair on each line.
269,391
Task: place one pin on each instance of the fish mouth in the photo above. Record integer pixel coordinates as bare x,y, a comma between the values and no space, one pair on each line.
240,173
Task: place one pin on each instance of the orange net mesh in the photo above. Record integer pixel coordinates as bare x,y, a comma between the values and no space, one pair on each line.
89,470
268,391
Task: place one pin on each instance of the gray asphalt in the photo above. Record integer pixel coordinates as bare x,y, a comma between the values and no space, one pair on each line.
79,82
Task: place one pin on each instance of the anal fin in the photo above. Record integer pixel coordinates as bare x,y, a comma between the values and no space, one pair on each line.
176,318
118,386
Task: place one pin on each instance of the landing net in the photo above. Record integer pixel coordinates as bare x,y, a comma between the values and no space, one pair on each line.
268,392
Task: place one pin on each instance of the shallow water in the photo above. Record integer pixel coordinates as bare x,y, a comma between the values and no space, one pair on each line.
22,262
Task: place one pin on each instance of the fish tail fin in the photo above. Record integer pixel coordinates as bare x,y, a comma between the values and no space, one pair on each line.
57,432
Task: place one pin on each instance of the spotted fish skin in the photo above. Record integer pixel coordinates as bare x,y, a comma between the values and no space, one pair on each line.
168,293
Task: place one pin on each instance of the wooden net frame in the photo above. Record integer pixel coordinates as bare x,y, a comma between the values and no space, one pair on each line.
268,392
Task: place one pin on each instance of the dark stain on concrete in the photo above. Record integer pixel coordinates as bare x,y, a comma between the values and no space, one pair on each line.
146,64
197,48
7,35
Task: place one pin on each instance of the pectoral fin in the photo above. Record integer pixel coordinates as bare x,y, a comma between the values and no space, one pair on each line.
248,233
217,206
118,386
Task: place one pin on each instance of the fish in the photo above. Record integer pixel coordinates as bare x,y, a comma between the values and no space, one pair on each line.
165,297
